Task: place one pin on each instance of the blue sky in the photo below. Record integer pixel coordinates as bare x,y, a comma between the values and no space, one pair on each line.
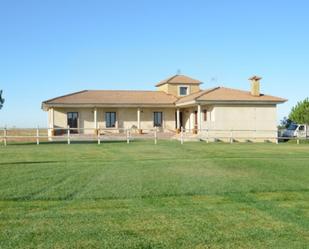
50,48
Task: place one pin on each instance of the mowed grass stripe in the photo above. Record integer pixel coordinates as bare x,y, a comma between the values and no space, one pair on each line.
144,196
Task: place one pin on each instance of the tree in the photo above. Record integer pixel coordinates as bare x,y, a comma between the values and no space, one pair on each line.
1,100
300,113
285,123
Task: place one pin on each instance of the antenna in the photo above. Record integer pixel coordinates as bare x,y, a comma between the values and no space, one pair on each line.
178,72
214,80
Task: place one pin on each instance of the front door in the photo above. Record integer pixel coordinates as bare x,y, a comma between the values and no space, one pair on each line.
180,119
73,121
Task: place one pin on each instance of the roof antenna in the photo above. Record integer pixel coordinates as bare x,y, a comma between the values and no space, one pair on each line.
178,72
214,80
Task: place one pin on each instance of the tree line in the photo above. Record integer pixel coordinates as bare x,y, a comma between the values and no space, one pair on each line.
299,114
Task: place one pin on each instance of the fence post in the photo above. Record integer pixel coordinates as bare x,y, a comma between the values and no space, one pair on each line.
37,135
181,135
231,137
69,141
128,136
98,135
5,136
297,140
207,135
155,136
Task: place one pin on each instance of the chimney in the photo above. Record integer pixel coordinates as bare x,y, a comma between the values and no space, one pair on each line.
255,86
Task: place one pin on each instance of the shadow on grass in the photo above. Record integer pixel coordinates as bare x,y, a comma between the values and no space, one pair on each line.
78,142
29,162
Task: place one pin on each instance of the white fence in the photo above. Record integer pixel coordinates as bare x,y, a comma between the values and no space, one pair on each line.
68,135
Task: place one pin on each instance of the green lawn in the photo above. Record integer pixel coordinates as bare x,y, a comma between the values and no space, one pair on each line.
142,195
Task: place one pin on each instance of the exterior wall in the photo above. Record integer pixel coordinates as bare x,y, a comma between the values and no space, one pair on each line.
168,118
245,117
248,122
126,118
256,123
244,122
85,118
163,88
174,88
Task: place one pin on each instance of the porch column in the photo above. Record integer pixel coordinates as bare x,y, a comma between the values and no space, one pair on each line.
138,118
51,121
199,118
95,118
178,118
51,124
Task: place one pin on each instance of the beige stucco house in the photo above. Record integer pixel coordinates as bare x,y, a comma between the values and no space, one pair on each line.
178,102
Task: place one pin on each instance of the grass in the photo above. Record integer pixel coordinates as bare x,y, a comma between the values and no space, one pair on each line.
142,195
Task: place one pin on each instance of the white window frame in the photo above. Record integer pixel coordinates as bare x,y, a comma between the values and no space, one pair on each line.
188,90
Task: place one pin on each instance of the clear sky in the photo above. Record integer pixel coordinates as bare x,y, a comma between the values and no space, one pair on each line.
53,47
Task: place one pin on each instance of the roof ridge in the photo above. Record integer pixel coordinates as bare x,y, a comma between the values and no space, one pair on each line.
194,96
188,80
172,77
206,91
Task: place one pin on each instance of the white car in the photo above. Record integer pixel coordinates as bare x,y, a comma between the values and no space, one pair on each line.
296,130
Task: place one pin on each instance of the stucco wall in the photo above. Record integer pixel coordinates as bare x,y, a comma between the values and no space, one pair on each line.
252,122
85,118
248,122
246,117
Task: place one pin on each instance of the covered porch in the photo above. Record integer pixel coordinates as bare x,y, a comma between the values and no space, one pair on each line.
194,118
86,120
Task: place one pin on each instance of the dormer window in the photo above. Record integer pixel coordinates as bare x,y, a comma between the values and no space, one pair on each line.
183,90
179,85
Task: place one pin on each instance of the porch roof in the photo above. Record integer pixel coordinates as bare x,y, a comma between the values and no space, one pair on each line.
223,94
113,97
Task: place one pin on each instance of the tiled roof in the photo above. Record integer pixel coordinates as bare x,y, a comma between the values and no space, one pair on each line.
114,97
228,94
179,79
157,98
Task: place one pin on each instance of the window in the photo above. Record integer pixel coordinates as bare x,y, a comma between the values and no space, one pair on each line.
157,119
205,115
72,119
292,127
183,91
110,119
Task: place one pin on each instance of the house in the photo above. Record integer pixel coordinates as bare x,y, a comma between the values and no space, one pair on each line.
178,102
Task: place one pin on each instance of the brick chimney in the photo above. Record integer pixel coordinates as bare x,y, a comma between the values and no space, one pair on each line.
255,86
